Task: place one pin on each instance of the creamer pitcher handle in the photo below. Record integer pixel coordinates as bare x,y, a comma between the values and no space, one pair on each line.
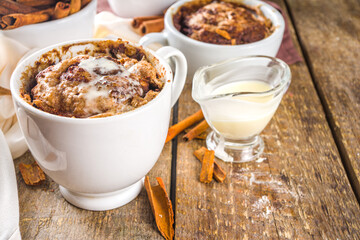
180,72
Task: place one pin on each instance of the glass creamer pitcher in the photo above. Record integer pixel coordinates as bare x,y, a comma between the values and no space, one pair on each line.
238,98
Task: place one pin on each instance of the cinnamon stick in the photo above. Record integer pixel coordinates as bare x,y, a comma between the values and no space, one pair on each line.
10,7
196,131
2,24
161,207
84,3
4,91
156,25
75,6
4,10
37,3
181,126
207,167
200,136
17,19
137,21
219,174
32,173
61,10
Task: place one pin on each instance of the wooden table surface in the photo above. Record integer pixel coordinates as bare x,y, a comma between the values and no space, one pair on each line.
307,185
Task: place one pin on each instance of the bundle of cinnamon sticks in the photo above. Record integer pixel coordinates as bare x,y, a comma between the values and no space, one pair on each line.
145,25
17,13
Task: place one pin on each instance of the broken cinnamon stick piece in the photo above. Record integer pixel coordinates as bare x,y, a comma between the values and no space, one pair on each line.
181,126
137,21
196,131
156,25
207,167
32,173
161,207
219,174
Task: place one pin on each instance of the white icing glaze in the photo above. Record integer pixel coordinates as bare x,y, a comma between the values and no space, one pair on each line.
98,68
104,64
93,92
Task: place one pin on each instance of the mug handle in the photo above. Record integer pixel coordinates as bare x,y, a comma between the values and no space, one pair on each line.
150,38
181,70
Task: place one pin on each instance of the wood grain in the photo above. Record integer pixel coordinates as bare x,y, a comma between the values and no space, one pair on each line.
330,36
45,214
298,191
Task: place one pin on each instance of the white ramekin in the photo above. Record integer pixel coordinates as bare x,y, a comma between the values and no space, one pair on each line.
201,54
138,8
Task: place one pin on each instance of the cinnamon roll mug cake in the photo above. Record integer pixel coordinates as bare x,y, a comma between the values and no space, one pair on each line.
209,31
96,86
95,115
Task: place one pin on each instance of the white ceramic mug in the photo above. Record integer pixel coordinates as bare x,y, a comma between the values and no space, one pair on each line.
137,8
201,54
100,163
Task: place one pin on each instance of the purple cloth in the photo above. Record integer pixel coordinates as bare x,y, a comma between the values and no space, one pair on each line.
103,5
287,51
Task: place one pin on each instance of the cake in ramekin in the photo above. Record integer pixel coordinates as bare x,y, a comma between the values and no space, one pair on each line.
222,22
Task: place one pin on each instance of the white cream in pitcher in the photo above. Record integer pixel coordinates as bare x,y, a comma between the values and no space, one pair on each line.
243,116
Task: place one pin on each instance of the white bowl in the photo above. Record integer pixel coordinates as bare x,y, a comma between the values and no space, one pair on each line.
137,8
99,163
79,25
201,54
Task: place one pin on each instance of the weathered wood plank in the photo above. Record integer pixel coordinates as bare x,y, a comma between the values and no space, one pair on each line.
299,191
330,34
45,214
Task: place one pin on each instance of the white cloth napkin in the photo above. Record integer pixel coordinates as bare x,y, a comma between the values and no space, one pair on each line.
9,207
12,142
108,25
10,53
